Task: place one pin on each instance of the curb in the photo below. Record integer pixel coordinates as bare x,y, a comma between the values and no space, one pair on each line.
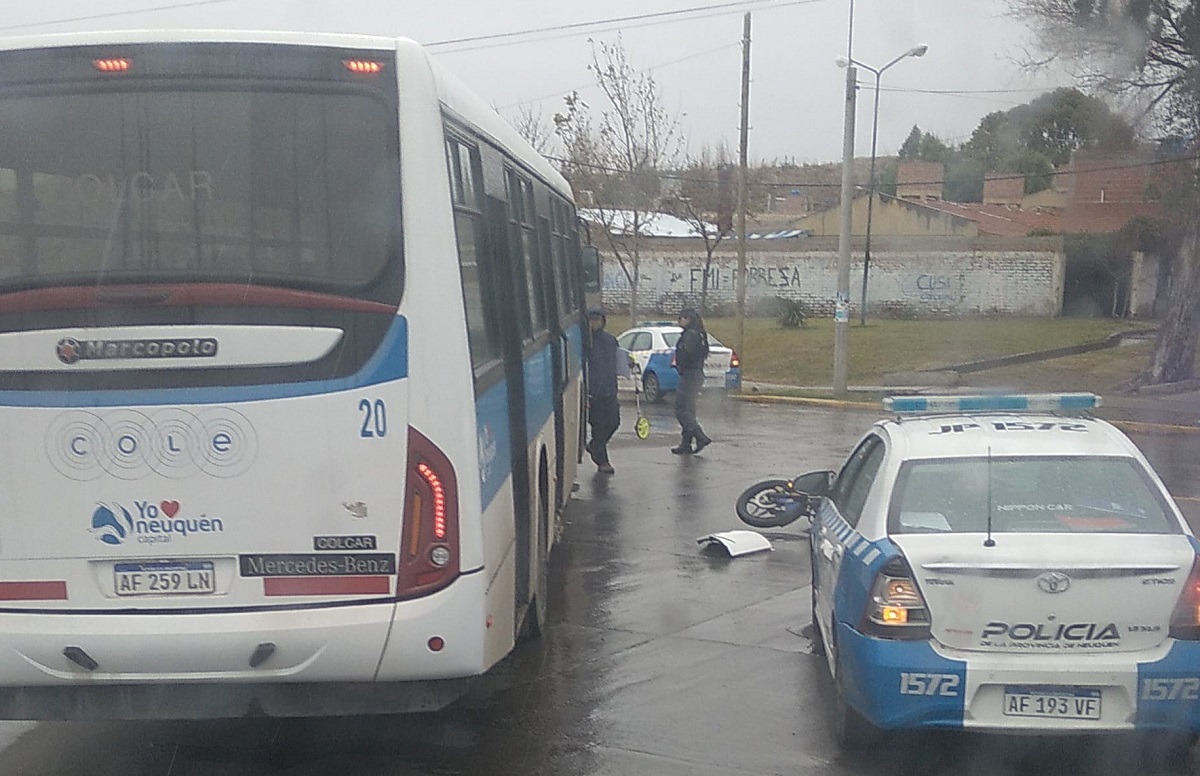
1124,425
1110,341
1153,428
766,398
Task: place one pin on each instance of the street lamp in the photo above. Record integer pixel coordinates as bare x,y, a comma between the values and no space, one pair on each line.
915,51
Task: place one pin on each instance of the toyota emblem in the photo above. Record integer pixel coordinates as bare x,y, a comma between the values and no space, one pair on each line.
1054,582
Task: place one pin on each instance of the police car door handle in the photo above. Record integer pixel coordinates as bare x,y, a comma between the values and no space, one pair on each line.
830,550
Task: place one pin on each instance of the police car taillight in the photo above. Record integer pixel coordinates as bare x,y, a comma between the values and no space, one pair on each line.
895,608
1185,621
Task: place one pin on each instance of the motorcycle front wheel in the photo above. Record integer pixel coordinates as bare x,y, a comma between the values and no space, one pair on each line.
768,504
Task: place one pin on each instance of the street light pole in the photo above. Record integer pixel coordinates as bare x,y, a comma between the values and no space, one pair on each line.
862,308
915,51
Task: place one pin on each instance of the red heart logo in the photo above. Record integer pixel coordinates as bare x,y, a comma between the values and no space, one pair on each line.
170,508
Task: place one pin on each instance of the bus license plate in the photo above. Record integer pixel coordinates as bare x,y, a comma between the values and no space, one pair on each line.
165,578
1052,702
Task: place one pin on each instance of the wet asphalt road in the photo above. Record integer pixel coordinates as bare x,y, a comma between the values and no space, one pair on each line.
660,658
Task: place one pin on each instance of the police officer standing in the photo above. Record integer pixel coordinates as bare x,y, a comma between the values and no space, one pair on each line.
690,352
604,413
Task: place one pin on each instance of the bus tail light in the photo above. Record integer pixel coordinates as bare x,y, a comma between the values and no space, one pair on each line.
1185,621
112,65
429,536
895,608
363,66
734,361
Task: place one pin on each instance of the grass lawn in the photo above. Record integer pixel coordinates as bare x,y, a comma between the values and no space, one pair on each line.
805,356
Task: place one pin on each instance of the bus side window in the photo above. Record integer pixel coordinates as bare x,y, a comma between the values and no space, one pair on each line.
563,238
464,164
522,216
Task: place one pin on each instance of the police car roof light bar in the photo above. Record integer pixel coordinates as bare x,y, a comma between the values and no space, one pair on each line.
1018,402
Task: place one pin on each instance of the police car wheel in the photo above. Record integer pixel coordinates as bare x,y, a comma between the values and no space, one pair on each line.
852,730
653,391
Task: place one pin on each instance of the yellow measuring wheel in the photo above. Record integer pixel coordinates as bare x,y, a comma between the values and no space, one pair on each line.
642,427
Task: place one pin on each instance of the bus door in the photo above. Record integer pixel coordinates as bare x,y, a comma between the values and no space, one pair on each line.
511,333
560,355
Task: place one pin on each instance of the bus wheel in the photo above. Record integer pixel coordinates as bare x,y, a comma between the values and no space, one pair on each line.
535,614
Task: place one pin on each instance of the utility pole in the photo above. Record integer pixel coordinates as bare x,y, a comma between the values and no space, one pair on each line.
740,346
841,305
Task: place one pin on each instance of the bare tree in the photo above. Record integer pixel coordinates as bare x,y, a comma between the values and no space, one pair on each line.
704,200
1146,50
532,125
620,156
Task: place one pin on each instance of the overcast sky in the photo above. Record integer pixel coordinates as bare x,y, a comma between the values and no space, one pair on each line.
796,94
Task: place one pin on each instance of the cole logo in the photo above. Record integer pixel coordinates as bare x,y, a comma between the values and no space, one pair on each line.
149,523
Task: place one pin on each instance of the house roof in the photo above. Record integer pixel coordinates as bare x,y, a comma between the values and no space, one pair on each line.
1106,217
1002,220
666,225
654,225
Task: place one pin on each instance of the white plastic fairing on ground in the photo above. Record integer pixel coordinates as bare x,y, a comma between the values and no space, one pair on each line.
737,542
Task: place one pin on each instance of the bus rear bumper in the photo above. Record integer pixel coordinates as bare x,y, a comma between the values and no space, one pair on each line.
382,657
227,700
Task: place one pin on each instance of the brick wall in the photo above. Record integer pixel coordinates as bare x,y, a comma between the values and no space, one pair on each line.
953,277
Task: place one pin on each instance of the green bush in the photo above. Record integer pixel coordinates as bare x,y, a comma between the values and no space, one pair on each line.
791,313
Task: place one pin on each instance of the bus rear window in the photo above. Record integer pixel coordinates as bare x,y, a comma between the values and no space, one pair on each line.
189,180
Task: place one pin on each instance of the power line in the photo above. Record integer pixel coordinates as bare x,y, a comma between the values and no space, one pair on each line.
915,90
592,84
111,14
647,20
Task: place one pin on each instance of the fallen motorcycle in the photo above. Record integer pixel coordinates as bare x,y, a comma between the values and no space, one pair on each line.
775,503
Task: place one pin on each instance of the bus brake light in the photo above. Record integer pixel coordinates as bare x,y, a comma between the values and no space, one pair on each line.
363,66
112,65
439,499
429,551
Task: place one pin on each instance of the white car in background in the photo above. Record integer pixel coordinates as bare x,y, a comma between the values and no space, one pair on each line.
652,347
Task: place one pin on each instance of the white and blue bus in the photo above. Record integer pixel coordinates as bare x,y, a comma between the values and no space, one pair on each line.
291,377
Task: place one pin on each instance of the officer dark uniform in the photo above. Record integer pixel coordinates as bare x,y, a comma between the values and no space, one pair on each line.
690,352
604,413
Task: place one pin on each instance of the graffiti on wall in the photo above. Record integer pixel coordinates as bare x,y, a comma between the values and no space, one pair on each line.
937,289
935,284
924,287
719,278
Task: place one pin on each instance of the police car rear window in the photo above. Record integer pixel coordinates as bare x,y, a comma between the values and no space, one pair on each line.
672,337
1028,495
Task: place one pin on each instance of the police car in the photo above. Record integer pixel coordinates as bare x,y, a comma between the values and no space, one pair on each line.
998,563
652,348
